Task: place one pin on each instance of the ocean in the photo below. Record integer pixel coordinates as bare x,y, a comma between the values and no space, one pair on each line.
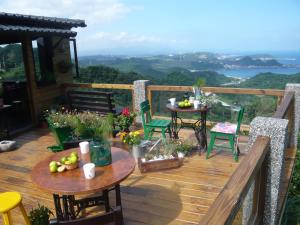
291,61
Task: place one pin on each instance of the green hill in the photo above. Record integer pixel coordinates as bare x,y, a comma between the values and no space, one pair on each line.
270,80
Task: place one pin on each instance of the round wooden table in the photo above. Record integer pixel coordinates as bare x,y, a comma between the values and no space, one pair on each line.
65,185
199,126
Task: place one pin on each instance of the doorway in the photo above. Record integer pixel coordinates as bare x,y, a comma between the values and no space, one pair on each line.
13,89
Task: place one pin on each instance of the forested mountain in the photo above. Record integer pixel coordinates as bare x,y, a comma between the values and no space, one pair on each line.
270,80
104,74
161,65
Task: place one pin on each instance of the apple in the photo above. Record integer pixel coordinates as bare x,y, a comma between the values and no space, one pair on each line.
181,104
74,154
63,160
52,164
68,162
53,168
73,159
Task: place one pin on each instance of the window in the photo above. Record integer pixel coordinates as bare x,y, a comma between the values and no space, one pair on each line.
43,58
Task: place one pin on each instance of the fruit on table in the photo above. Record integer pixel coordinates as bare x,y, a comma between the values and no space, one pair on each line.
63,160
66,162
53,168
61,168
52,163
184,104
74,154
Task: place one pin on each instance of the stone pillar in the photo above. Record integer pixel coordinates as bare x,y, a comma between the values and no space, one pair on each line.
140,95
277,130
296,89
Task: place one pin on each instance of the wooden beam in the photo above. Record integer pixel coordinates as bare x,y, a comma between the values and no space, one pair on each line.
220,90
104,86
284,106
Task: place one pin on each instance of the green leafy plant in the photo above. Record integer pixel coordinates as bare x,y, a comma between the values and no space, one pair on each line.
59,119
200,83
91,125
291,214
175,146
40,215
84,124
170,149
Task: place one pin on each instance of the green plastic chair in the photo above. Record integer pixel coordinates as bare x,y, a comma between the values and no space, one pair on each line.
150,124
227,131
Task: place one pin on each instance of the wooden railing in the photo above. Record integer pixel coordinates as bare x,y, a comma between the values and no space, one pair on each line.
102,86
219,90
227,208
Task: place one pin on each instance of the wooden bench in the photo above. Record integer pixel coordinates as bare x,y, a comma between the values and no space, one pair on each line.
96,101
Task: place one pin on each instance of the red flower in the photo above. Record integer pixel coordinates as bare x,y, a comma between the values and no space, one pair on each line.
126,112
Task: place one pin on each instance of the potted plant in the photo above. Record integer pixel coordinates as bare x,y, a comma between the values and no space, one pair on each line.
197,88
133,139
40,215
59,123
97,128
124,120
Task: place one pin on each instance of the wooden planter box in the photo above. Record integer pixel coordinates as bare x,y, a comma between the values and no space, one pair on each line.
150,166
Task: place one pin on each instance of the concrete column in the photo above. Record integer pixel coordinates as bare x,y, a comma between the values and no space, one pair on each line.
296,89
277,130
140,95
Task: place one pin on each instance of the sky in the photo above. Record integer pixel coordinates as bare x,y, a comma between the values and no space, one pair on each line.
174,26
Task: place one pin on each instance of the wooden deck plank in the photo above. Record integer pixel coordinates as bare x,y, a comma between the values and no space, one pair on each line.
174,197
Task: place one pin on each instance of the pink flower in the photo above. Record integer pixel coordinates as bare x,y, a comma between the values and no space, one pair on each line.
126,112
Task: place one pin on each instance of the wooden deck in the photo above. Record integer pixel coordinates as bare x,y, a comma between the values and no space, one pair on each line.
178,196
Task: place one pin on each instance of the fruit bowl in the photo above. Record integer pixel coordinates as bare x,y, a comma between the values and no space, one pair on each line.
184,104
70,162
185,107
72,166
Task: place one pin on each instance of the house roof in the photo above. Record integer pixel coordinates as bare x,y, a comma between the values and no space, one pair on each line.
14,24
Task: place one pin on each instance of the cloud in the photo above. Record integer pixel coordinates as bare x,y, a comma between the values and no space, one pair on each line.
126,38
99,15
93,11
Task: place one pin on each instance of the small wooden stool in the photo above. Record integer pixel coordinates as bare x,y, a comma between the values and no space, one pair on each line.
9,201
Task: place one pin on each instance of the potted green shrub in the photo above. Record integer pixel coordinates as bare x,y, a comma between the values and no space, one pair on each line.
97,128
40,215
59,123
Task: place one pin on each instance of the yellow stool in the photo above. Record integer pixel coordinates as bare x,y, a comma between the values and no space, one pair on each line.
9,201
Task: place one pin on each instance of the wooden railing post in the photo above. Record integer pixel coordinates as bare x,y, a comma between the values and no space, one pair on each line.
295,115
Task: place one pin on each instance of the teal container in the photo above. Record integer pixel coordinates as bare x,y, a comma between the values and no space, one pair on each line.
62,134
100,152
